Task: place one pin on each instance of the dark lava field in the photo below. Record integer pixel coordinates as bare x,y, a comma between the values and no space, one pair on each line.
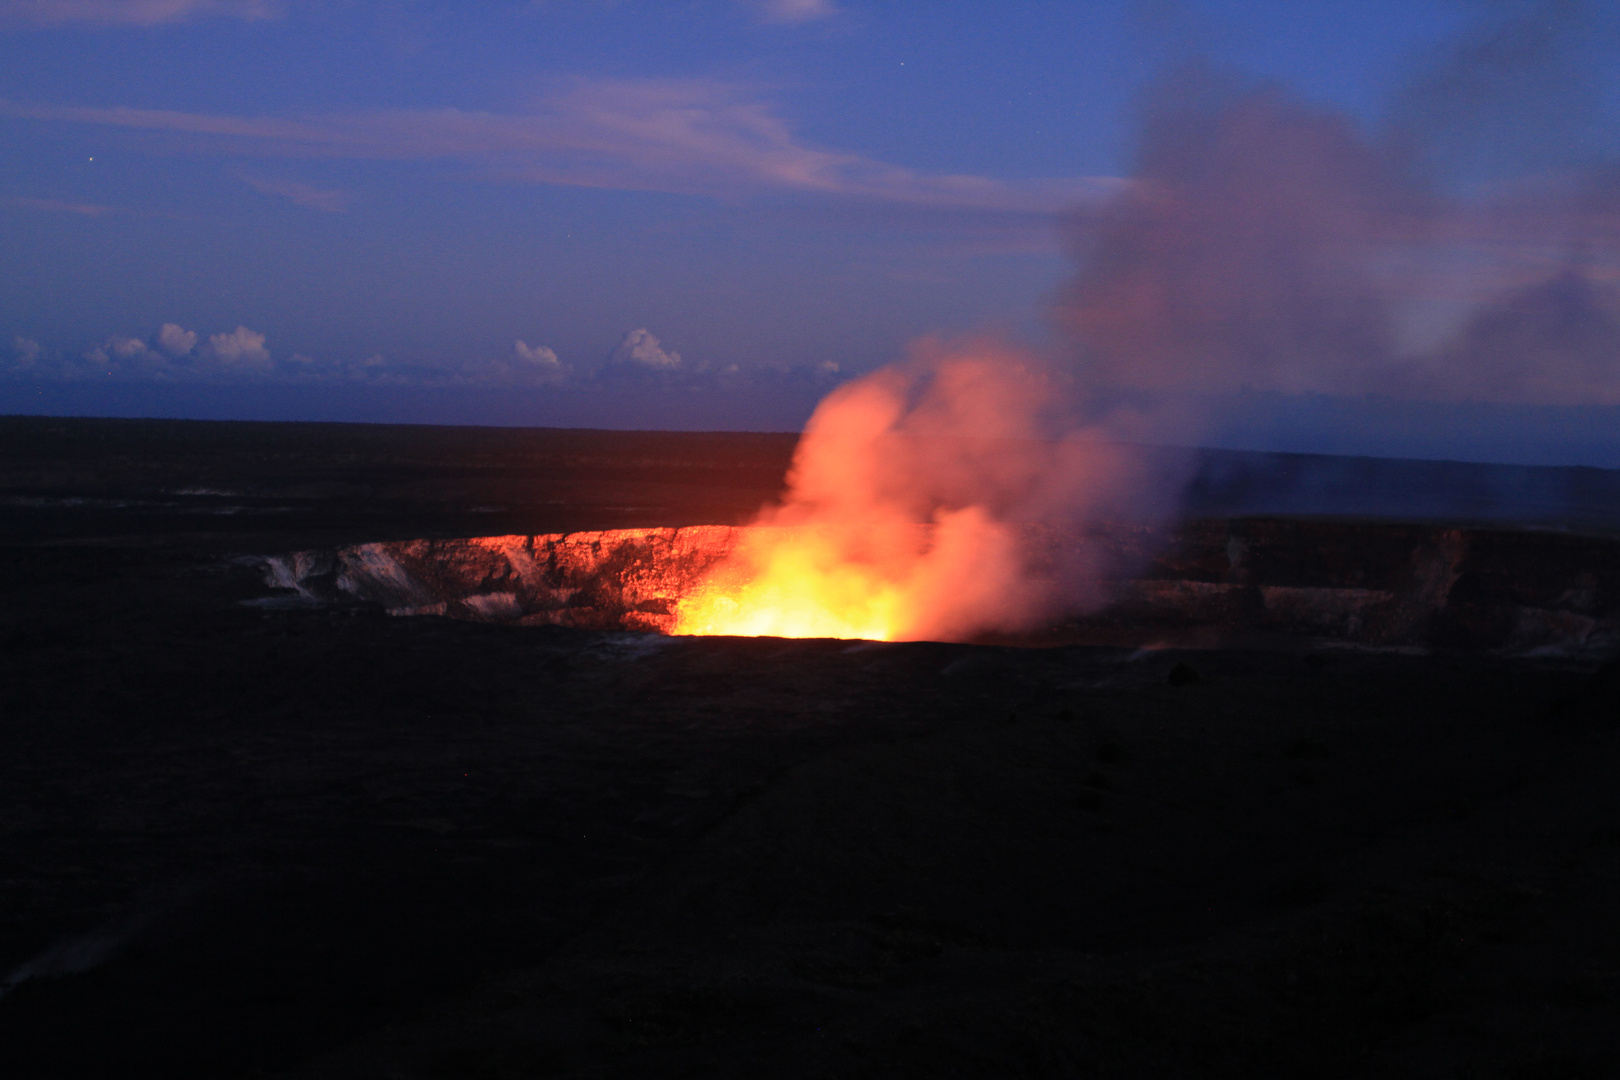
242,838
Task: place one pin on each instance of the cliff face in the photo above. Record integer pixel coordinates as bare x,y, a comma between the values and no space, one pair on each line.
621,579
1367,583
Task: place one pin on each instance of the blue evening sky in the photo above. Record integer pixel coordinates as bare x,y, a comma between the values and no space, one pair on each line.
748,199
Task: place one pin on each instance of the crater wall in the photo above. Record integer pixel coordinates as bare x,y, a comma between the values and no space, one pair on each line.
1221,580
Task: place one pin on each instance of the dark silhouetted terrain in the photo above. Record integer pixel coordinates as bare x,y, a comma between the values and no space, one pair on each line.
319,841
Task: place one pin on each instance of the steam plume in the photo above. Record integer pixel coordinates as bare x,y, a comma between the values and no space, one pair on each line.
906,502
1469,251
1263,243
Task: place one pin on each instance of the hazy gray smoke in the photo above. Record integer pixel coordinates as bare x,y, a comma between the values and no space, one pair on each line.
1468,251
1521,92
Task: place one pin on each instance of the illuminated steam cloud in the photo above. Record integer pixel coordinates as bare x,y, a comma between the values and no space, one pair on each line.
906,500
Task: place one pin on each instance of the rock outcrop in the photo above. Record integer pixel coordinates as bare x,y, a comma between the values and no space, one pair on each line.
621,579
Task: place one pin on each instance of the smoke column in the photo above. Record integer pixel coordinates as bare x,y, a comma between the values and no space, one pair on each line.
908,505
1467,252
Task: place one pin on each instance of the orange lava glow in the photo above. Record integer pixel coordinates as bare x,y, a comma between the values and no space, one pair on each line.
904,506
800,584
893,581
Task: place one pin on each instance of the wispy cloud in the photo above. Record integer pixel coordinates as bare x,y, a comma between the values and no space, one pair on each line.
47,13
26,352
686,136
792,12
58,206
90,210
332,202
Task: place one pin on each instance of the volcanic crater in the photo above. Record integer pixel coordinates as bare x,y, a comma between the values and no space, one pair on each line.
1231,581
1326,788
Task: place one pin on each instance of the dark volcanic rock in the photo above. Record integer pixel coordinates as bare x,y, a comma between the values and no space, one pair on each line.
316,841
1365,583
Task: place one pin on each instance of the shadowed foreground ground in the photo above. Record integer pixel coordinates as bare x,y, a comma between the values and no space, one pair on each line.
239,841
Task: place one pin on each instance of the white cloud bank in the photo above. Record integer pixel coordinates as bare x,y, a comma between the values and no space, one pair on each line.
640,349
175,340
26,352
243,356
172,354
539,365
241,348
538,355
